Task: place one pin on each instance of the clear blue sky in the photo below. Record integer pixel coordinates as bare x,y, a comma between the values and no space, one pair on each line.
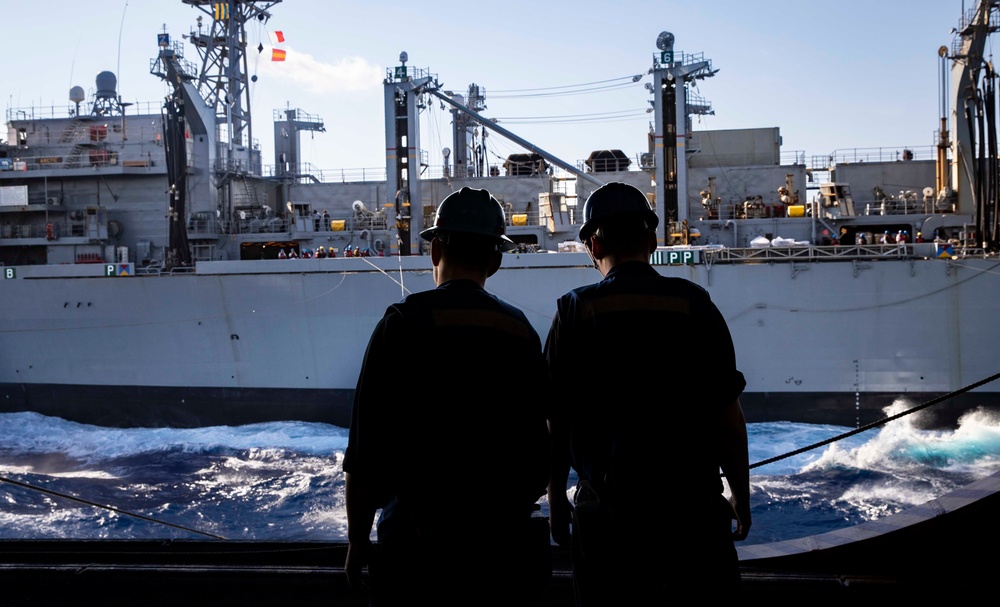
832,74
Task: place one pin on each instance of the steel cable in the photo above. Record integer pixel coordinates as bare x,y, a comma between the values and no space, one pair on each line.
109,508
880,422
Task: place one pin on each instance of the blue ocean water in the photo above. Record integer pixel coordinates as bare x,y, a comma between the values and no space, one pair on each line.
283,481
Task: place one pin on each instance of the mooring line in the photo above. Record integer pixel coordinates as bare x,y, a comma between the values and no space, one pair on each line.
105,507
403,291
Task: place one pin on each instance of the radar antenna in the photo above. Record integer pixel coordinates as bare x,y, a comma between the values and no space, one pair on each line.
665,41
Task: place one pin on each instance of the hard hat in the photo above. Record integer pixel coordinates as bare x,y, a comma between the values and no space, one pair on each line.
615,199
471,211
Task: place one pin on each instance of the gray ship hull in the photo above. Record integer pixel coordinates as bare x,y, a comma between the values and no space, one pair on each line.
238,342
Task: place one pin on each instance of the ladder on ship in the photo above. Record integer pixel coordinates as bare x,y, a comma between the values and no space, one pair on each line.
69,135
245,193
70,132
819,170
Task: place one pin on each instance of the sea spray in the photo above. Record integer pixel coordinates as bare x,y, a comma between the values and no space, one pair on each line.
283,481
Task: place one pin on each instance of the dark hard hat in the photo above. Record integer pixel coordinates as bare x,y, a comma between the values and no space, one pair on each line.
614,200
470,211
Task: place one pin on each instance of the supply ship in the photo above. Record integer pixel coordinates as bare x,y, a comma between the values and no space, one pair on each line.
156,272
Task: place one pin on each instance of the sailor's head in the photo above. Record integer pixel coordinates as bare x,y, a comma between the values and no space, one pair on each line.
619,225
473,214
613,202
468,237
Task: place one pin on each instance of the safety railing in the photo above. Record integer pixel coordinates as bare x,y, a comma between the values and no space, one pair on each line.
51,230
818,253
83,110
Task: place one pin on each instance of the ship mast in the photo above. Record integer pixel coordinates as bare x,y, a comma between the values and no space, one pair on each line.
213,163
222,78
942,180
671,74
403,87
469,158
973,167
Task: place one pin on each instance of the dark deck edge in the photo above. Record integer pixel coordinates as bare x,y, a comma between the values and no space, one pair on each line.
928,551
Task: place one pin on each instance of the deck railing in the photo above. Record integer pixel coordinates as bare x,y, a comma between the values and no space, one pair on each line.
817,253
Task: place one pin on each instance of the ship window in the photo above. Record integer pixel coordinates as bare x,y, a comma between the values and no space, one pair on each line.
22,136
